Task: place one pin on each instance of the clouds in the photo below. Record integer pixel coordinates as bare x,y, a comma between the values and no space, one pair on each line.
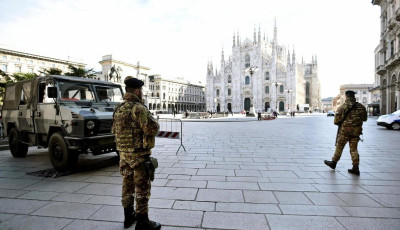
178,37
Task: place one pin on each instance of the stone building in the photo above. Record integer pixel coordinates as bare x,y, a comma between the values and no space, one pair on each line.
13,61
160,93
362,95
177,95
262,75
387,56
327,104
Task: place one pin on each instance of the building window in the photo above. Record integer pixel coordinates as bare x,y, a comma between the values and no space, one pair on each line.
229,79
4,57
217,92
158,94
364,92
281,88
30,70
229,92
247,80
247,61
18,59
267,76
364,100
30,61
267,89
18,69
4,67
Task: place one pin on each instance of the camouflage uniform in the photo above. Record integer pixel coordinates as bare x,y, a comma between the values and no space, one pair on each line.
134,129
350,130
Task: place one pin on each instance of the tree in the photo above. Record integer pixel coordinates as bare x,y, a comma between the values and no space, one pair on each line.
80,72
23,76
51,71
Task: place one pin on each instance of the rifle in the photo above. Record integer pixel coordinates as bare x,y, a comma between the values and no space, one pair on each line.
344,117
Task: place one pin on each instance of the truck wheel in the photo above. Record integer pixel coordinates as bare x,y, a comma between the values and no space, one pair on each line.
395,126
17,148
60,157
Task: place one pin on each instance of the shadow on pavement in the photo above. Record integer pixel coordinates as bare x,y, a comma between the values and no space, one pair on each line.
84,165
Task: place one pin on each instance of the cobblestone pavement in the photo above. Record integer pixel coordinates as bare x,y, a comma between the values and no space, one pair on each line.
234,175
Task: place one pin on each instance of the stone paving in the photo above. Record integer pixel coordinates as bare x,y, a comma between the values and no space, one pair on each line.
234,175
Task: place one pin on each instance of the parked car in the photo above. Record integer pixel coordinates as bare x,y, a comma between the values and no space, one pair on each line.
68,115
330,113
390,121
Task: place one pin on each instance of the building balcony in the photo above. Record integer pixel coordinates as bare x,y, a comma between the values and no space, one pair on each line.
393,61
392,23
381,70
397,14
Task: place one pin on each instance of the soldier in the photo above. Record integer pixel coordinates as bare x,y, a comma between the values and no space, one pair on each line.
349,118
135,129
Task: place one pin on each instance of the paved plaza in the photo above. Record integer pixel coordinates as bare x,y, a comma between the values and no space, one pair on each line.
234,175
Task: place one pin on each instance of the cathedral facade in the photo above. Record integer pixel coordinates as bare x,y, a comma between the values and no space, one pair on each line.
262,75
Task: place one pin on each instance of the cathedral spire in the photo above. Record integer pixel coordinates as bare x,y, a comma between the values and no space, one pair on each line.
234,42
259,34
288,58
222,55
275,34
238,39
316,60
293,57
255,39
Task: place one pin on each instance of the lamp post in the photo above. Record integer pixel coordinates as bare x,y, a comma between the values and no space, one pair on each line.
277,83
288,104
251,70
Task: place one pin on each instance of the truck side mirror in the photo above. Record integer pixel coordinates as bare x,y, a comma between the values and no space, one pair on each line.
52,92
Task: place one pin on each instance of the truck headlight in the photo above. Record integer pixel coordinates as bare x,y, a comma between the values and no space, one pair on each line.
90,124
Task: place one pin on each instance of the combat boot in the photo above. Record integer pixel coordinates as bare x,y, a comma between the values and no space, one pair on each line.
355,170
331,164
143,223
130,217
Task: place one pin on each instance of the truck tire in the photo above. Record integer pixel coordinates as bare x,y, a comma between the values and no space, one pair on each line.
18,149
60,157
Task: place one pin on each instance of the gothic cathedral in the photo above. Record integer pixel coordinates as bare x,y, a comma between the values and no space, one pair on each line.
264,76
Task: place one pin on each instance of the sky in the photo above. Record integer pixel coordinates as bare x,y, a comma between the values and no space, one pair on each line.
177,38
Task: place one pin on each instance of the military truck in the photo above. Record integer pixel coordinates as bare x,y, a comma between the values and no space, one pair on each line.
67,115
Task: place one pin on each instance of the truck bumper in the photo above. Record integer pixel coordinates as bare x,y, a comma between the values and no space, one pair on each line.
96,145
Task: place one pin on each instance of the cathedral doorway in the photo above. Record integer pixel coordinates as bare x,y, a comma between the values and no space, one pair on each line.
229,107
247,104
281,106
218,108
267,106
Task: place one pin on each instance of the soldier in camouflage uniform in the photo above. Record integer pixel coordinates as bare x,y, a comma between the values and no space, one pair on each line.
349,117
135,129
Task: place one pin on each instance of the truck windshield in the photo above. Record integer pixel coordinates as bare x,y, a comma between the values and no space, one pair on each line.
70,91
109,93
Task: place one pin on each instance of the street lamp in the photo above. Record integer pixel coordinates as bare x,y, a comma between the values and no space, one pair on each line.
276,83
288,104
252,70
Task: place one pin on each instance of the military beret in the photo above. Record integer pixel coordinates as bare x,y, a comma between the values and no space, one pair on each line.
350,93
133,82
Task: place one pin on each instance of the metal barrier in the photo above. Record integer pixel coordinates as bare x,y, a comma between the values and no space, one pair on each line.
168,130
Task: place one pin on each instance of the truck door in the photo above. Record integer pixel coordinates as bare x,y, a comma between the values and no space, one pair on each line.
25,119
45,114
